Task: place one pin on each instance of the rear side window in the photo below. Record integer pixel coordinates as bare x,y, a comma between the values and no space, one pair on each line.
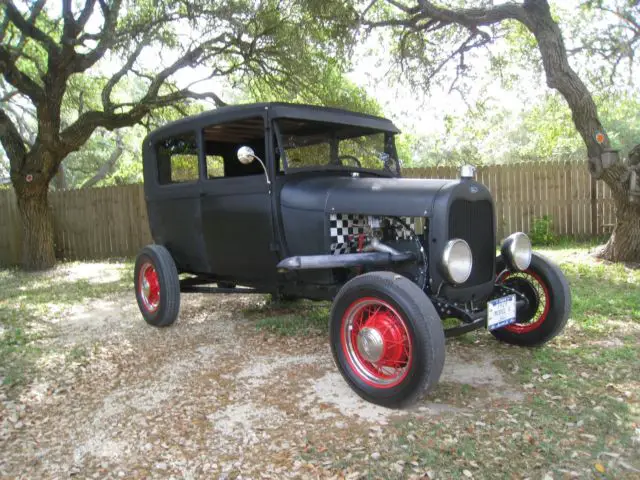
177,159
215,166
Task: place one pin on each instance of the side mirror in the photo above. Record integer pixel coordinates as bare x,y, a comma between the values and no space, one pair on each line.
246,155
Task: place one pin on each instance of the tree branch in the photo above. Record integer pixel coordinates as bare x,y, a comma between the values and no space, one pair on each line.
108,166
18,79
12,141
20,115
28,27
113,81
106,38
471,18
76,134
8,96
86,13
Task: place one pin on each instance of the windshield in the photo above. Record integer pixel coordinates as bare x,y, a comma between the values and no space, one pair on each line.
316,145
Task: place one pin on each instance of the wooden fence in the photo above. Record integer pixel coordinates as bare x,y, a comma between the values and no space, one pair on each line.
578,206
88,224
112,221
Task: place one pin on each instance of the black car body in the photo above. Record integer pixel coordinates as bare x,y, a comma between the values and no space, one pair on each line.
324,204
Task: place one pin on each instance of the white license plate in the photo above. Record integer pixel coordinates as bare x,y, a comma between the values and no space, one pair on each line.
501,312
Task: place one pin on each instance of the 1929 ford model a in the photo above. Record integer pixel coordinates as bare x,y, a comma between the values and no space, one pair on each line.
307,202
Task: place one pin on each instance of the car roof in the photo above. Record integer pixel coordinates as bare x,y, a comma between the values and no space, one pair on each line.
276,110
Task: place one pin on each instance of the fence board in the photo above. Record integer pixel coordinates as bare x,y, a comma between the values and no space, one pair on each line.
112,221
10,232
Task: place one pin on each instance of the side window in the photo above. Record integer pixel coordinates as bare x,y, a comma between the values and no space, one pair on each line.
221,144
215,166
177,159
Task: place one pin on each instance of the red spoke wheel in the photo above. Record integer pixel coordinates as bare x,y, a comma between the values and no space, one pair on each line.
376,342
386,338
149,287
548,303
157,286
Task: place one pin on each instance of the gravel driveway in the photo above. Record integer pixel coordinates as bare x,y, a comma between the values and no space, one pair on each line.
210,397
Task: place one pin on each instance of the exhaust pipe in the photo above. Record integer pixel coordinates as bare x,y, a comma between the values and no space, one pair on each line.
347,260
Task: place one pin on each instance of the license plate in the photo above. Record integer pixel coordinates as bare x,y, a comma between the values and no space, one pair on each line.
501,312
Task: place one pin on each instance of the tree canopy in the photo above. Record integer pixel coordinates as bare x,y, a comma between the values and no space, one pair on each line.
76,67
432,42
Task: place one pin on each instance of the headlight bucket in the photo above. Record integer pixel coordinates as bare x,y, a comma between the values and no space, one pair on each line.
457,261
516,251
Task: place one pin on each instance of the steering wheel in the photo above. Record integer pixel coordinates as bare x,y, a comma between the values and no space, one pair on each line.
349,157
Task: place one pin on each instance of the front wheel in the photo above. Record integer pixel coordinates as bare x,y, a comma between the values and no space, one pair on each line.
387,339
548,303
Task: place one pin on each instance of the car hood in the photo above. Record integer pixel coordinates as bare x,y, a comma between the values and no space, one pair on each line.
410,197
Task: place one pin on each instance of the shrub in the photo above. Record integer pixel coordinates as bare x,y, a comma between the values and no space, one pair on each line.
542,231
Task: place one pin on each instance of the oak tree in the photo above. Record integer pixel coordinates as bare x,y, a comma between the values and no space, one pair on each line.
432,36
51,53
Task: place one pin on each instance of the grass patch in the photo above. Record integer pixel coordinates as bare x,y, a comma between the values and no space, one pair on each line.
29,301
581,407
301,317
605,296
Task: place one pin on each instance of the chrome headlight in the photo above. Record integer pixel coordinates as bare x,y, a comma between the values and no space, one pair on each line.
516,251
457,261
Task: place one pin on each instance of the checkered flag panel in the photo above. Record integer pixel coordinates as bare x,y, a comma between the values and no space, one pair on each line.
405,228
344,230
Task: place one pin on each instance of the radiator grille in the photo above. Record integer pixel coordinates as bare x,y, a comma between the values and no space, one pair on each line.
473,222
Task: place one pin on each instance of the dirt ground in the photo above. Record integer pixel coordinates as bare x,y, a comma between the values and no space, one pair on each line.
213,397
209,397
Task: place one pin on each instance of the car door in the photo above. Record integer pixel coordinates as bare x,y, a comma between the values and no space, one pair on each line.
172,190
236,204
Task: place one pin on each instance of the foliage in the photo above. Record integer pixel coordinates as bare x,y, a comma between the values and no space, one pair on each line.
328,87
604,36
295,55
541,233
491,132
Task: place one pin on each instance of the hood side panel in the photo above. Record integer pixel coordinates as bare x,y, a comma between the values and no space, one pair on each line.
366,196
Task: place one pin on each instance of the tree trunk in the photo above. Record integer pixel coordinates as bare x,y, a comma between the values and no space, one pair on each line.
37,227
624,244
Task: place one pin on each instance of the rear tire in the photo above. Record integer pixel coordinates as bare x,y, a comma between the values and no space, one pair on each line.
157,286
550,304
387,339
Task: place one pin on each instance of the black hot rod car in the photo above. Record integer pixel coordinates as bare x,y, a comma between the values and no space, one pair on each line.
308,202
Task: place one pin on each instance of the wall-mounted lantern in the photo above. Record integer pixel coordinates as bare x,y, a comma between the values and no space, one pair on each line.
609,157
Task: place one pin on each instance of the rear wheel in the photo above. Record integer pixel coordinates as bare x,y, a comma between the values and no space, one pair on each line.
387,339
549,303
157,286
